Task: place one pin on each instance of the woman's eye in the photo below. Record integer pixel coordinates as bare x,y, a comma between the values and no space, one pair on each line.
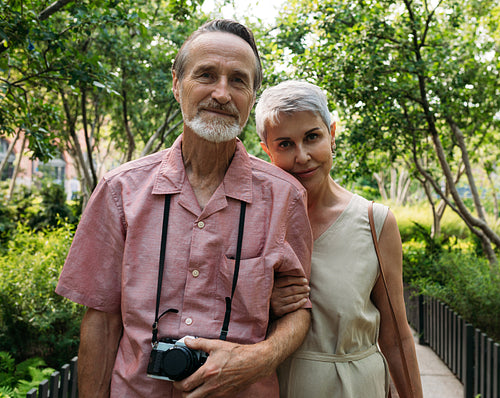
312,136
284,144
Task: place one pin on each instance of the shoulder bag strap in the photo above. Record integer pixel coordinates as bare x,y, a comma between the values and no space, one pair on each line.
398,333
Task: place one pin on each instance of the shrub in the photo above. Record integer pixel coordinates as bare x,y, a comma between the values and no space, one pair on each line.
34,321
452,271
52,208
16,381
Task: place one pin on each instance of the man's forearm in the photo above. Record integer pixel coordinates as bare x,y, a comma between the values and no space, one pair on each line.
286,334
99,338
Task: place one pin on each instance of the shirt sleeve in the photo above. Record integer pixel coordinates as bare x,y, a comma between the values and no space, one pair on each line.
92,272
298,242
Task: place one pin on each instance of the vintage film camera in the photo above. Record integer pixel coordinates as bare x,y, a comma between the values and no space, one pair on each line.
172,360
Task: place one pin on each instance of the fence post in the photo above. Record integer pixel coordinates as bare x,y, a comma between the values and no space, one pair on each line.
54,385
31,393
496,370
421,325
74,378
468,360
64,381
489,368
43,389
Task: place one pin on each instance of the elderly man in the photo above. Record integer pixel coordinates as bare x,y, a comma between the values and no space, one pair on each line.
232,224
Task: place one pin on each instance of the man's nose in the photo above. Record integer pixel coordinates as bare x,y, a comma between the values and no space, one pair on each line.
221,91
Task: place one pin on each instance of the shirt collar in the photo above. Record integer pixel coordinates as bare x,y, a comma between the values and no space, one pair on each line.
237,183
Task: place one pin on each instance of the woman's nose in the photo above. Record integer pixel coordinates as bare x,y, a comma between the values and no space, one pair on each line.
302,156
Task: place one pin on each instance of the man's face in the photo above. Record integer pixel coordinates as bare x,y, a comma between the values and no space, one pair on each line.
216,93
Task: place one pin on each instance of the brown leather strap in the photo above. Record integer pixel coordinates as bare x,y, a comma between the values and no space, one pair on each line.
380,262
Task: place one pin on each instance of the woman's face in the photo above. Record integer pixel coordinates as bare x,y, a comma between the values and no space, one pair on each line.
301,144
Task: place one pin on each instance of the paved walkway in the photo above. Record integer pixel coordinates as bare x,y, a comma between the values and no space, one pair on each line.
437,380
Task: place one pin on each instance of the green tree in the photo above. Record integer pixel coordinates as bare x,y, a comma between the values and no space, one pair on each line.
99,69
416,80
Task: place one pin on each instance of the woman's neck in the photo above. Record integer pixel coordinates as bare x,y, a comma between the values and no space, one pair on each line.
325,204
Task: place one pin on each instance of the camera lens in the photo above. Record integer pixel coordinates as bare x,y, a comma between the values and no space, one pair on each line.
179,362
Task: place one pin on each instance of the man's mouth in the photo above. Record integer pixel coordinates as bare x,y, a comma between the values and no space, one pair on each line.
219,112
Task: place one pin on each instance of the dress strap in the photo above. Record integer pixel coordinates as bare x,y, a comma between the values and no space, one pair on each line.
324,357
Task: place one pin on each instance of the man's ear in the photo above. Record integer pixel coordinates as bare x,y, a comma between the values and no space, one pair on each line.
175,86
266,150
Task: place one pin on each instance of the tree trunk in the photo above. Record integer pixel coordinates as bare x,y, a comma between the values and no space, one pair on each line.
403,186
88,144
10,149
441,207
394,183
379,177
477,225
160,132
77,149
494,194
16,169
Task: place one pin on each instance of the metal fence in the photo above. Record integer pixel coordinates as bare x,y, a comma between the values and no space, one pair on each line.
469,353
62,384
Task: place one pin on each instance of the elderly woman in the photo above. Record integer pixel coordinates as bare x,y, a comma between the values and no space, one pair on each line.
359,336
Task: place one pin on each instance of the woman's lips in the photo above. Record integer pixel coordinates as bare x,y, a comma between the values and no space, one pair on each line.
305,173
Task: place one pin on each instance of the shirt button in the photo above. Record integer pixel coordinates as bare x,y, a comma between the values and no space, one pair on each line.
201,224
196,273
188,321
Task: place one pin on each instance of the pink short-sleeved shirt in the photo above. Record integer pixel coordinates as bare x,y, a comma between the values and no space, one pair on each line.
113,262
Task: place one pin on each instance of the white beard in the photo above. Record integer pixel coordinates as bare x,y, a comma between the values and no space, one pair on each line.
217,129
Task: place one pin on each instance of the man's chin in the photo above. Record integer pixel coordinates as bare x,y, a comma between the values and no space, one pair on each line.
215,132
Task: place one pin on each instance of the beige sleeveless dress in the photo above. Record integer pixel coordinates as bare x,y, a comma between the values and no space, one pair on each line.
339,357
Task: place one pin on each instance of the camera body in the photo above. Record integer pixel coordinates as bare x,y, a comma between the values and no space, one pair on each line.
172,360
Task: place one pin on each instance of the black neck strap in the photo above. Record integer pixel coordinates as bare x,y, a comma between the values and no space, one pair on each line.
163,249
229,300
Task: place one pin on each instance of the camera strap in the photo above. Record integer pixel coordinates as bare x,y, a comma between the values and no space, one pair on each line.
163,249
229,300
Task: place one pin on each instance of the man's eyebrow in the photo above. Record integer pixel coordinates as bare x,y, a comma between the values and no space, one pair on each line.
203,67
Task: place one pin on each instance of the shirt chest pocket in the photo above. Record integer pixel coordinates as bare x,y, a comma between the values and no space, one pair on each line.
250,305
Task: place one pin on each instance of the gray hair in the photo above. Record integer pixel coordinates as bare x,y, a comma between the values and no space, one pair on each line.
288,98
224,26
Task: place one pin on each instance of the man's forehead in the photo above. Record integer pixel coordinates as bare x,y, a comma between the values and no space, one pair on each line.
214,40
209,46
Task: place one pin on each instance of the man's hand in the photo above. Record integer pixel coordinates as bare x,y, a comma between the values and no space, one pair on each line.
229,368
233,367
289,294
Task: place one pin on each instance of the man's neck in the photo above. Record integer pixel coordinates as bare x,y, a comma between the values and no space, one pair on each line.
206,164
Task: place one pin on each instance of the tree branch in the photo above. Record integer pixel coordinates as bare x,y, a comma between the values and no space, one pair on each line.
54,7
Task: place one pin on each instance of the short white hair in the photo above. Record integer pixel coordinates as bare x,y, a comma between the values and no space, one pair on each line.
287,98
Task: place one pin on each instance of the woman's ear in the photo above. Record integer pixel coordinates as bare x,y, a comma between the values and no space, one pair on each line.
266,150
333,127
